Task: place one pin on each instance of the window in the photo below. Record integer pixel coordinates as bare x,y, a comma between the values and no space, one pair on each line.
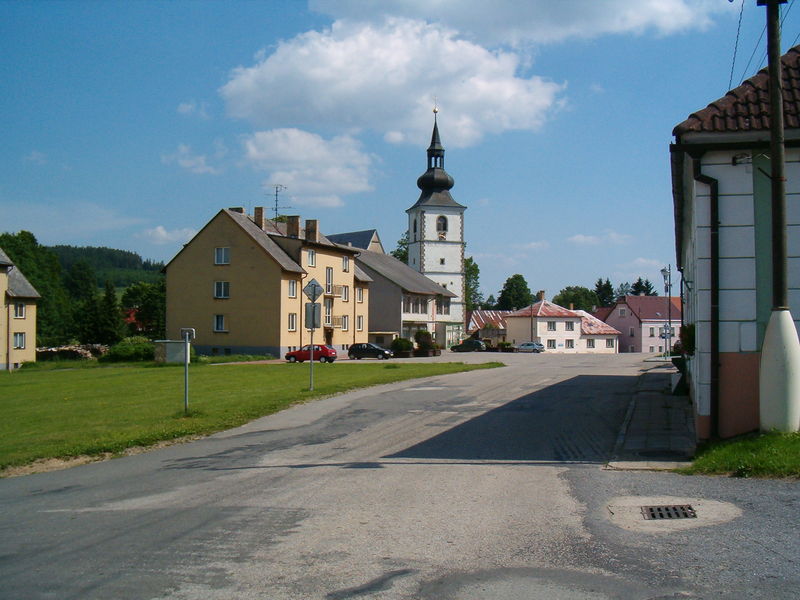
345,293
415,230
441,224
631,349
660,349
346,264
631,332
441,261
622,312
345,322
652,333
652,348
312,258
569,343
219,323
415,305
292,288
292,321
406,304
360,326
570,326
19,341
328,280
609,342
222,289
442,306
551,344
551,326
590,343
328,311
360,294
222,256
19,310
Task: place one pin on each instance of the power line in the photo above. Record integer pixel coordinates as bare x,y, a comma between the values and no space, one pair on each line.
763,61
736,44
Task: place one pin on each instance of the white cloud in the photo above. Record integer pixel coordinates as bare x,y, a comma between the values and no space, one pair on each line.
40,158
193,108
159,235
540,245
316,171
196,163
384,77
607,237
515,23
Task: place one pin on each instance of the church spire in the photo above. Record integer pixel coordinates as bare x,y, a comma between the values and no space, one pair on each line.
435,183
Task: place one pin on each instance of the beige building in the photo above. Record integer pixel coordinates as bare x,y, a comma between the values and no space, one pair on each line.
560,330
18,321
239,283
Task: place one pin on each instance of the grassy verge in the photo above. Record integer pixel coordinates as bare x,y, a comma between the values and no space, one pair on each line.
91,411
755,455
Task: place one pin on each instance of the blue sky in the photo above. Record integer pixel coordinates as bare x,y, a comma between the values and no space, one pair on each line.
130,124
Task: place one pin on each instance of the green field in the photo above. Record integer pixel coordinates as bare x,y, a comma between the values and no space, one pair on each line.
71,412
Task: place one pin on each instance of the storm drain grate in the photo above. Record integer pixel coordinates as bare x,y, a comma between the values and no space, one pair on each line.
669,511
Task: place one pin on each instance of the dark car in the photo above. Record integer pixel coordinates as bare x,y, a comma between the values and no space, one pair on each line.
469,345
359,351
321,353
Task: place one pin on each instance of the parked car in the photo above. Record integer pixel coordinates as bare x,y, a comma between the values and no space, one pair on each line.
530,347
469,345
359,351
321,353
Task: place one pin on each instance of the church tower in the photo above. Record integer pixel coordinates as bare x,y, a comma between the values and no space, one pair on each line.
436,241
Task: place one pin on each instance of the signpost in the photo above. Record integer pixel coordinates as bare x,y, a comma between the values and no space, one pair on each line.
312,290
188,334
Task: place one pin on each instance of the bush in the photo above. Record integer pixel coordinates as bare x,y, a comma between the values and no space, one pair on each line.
504,344
424,340
131,349
687,339
401,345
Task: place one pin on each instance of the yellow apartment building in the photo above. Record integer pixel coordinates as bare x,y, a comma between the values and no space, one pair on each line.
18,321
239,283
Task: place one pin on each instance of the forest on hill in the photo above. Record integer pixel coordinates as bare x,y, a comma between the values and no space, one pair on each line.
72,308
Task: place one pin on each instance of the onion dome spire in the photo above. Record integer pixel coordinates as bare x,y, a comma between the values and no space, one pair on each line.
435,183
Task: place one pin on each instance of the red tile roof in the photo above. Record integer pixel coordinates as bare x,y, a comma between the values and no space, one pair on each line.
653,308
603,312
496,319
591,325
746,108
544,308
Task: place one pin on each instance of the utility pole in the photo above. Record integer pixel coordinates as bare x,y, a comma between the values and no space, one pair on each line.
779,376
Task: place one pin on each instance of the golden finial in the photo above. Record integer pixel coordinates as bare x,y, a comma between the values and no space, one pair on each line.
435,105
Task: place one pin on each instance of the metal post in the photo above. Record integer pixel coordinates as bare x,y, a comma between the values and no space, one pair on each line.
311,363
186,374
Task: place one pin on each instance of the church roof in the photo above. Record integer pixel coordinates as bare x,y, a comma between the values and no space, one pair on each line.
401,274
435,183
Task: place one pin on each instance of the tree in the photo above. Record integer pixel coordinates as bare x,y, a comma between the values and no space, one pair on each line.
80,281
490,303
401,252
623,289
640,287
110,326
580,297
604,292
515,294
148,303
472,272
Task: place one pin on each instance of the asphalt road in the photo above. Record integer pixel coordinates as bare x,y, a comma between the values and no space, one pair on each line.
487,484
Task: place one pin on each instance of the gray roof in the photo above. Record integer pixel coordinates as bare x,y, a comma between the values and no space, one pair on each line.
4,260
401,274
360,275
358,239
18,285
262,238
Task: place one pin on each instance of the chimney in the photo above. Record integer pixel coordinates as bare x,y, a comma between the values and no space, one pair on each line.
572,306
540,295
293,226
258,216
312,233
238,209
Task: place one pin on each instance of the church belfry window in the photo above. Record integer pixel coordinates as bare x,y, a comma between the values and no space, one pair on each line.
415,230
441,227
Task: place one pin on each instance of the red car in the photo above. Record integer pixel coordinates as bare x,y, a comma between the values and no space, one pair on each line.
321,353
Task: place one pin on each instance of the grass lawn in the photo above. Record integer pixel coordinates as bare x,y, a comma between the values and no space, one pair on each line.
754,455
71,412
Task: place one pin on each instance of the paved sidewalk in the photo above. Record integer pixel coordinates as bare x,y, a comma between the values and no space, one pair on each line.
658,431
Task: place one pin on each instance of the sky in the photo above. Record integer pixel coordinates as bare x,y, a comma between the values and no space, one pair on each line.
131,124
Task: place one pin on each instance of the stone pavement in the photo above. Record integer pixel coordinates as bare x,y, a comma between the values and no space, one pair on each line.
658,431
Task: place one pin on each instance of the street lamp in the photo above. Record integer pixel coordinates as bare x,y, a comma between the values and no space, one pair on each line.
666,273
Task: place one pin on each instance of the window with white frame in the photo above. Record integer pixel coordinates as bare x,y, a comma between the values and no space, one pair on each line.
590,343
652,348
328,311
19,341
292,321
328,280
345,293
19,310
311,258
652,332
360,322
569,343
406,304
345,322
569,326
551,326
292,288
442,305
622,312
609,342
222,289
346,264
222,256
219,323
359,294
551,344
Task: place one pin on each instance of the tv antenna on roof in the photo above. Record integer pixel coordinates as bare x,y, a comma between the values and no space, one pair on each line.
278,188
